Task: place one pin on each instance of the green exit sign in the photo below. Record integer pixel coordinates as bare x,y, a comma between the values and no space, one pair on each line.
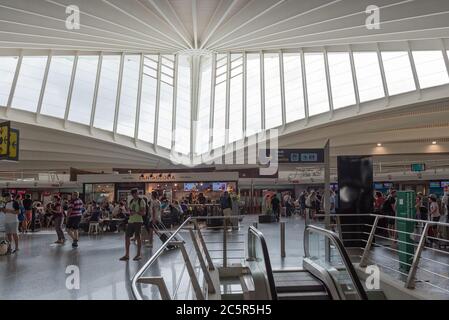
418,167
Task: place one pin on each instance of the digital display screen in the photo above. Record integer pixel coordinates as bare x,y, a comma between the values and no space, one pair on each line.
418,167
434,184
444,184
388,185
219,186
189,186
378,186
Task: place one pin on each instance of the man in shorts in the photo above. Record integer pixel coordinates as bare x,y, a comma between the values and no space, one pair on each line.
137,208
75,213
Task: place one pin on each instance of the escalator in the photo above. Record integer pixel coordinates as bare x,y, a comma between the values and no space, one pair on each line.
326,273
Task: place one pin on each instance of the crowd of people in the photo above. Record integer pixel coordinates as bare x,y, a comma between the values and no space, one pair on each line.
140,212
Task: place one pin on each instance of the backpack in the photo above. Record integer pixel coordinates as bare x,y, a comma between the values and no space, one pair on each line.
386,206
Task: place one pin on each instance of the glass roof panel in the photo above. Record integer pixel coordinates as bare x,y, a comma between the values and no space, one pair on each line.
398,72
430,68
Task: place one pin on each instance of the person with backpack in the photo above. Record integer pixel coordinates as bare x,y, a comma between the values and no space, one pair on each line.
137,208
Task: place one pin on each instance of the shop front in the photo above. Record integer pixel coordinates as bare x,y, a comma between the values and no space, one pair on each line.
194,188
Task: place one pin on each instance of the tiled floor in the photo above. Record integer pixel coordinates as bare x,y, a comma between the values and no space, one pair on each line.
38,270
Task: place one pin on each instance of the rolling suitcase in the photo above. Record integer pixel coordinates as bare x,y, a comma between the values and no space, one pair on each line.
163,234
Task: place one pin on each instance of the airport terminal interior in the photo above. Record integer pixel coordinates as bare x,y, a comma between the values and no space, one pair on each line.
224,150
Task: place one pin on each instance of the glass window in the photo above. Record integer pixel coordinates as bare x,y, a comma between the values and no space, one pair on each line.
341,79
369,78
165,129
398,72
316,83
57,87
107,93
236,98
8,67
183,103
253,98
202,129
273,110
164,134
148,99
83,89
128,96
29,83
431,68
219,126
294,94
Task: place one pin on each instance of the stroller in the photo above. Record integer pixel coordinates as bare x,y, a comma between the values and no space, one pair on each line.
164,234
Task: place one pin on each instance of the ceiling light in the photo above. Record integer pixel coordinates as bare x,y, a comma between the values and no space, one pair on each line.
434,142
379,144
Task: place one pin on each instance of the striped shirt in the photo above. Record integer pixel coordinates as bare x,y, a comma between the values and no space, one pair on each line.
76,207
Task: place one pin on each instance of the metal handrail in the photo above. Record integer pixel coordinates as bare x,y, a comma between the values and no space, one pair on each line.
341,249
172,240
423,236
143,269
253,232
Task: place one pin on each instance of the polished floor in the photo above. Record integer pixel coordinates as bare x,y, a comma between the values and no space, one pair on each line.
38,270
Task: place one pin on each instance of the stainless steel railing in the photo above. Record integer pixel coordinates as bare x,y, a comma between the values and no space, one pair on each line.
429,265
202,255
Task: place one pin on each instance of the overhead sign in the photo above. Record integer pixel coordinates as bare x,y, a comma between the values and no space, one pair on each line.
9,142
418,167
299,156
13,145
5,129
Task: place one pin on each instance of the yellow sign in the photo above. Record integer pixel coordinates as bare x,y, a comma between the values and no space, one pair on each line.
14,145
4,139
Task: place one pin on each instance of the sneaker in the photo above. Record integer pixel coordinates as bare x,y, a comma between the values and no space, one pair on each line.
75,244
124,258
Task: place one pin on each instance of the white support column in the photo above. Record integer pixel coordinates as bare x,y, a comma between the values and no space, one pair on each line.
382,73
228,98
212,100
97,85
262,90
14,83
282,79
329,84
354,78
139,100
195,85
445,57
69,96
244,95
304,87
44,85
158,96
119,91
413,66
175,102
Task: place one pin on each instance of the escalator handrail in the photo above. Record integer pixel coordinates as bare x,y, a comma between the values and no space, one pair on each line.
255,232
341,249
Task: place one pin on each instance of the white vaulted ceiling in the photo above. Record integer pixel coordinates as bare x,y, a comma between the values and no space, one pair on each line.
220,25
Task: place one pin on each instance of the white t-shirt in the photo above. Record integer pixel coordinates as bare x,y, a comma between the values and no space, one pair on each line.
156,207
10,217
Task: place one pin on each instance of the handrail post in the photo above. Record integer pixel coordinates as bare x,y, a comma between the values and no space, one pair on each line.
203,245
225,244
363,260
410,284
282,226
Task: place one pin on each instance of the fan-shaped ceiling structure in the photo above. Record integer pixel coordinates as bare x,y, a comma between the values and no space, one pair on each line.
159,78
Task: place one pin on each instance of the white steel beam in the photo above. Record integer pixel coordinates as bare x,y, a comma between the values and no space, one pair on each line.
158,96
354,78
282,79
413,66
44,85
262,90
119,92
139,99
175,101
69,95
328,81
14,83
97,85
304,88
382,73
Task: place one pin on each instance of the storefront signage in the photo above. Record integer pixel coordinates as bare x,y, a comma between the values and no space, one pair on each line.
156,177
299,156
